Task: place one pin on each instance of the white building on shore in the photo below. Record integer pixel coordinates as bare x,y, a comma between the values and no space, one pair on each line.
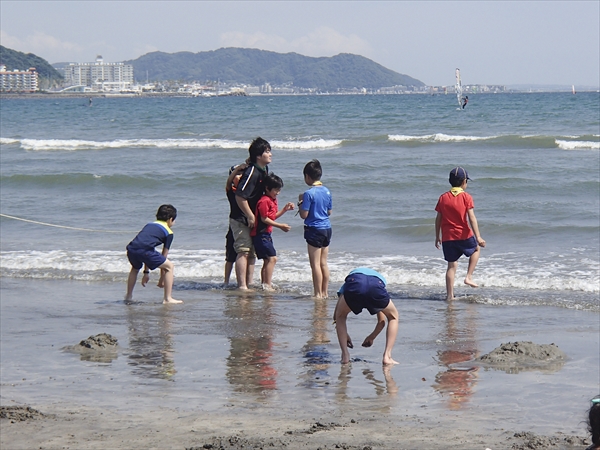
100,76
18,80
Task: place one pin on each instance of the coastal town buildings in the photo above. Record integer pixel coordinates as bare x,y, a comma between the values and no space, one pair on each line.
99,76
18,80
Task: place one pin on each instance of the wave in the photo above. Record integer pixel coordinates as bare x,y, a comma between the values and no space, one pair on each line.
564,142
498,271
78,144
578,145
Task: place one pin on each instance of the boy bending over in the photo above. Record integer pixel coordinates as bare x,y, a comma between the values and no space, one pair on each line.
365,288
142,251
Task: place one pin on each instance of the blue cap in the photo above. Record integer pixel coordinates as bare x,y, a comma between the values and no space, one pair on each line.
458,173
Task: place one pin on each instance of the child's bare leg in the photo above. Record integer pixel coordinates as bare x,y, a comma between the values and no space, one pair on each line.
472,264
167,267
268,268
314,256
131,280
450,274
324,272
390,335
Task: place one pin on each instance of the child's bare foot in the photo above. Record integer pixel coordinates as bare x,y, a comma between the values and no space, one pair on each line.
128,298
389,362
470,282
449,299
171,301
268,287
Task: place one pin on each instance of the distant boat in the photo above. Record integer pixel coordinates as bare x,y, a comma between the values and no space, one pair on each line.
573,88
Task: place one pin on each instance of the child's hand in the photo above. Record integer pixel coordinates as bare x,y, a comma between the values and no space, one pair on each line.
145,279
161,280
349,342
481,242
285,227
289,206
368,341
438,243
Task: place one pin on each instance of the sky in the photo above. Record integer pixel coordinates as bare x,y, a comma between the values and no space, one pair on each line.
492,42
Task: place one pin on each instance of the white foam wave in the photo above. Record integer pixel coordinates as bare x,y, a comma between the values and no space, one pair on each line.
78,144
577,145
497,271
306,145
438,137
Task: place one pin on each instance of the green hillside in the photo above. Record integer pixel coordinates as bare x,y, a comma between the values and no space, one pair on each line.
13,59
256,67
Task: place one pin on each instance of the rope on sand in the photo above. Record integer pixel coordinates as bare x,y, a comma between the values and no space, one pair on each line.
63,226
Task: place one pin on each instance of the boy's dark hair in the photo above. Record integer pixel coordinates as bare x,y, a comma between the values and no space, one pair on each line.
257,148
166,212
456,182
272,181
594,422
313,170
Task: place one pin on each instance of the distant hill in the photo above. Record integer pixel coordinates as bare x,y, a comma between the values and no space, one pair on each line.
256,67
13,59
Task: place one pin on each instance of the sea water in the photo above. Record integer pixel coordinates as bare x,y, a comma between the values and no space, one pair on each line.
88,178
99,171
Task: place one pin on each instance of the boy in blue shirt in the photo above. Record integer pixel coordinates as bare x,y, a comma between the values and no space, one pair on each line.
142,251
365,288
315,208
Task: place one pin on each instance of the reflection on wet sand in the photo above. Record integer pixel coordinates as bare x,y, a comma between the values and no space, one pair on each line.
250,333
150,341
317,358
386,390
460,344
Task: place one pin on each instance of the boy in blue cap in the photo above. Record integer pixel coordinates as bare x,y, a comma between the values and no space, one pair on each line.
454,214
365,288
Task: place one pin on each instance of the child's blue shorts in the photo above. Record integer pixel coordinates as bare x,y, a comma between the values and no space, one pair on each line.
151,258
317,237
263,245
365,291
455,249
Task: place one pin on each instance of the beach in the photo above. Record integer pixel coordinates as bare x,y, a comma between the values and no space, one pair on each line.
263,370
225,370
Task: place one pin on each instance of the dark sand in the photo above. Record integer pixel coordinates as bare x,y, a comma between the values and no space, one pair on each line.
224,371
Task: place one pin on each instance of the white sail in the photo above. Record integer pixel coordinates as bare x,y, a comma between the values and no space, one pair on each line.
459,90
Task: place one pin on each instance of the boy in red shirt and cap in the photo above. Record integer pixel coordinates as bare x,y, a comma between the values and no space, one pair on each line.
452,229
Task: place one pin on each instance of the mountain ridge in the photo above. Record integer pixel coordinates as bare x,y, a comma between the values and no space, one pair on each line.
257,67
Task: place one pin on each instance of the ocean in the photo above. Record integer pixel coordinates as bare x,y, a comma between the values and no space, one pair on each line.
533,159
77,182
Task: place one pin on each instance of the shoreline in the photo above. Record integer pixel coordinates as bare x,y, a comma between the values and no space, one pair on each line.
263,371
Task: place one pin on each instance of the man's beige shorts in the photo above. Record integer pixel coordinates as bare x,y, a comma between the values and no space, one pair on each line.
242,242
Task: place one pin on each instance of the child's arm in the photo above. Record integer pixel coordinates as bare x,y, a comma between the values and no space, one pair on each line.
146,276
282,226
438,229
475,227
288,207
378,328
234,173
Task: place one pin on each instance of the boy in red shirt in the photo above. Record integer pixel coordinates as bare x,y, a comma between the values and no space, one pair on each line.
266,214
452,230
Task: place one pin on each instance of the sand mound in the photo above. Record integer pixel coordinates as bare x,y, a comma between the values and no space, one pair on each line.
516,356
19,413
99,348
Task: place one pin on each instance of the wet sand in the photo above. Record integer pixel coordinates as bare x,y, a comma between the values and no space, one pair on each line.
263,371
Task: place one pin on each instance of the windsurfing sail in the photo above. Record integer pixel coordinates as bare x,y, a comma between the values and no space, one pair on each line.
459,90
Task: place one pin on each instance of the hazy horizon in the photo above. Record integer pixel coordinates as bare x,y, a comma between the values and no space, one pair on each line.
495,43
